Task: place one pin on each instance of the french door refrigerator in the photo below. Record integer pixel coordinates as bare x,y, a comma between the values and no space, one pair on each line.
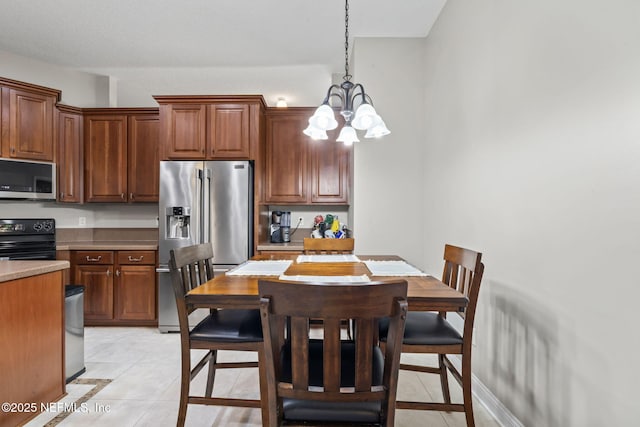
200,202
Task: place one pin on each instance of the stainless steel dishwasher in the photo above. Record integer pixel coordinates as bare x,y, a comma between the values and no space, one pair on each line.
74,331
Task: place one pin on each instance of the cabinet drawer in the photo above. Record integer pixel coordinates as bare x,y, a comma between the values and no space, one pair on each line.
137,257
93,257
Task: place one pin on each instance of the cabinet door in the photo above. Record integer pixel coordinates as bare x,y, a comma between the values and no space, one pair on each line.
286,159
184,133
228,131
330,164
144,159
105,160
30,125
98,290
135,292
69,158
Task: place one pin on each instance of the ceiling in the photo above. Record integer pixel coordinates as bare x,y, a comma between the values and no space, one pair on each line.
90,35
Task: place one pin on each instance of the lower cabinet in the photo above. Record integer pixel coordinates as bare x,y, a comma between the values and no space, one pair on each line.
120,286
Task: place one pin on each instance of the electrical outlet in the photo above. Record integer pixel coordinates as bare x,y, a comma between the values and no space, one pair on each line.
300,221
82,221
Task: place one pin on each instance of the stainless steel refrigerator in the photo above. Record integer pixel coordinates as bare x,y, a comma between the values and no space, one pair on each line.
202,201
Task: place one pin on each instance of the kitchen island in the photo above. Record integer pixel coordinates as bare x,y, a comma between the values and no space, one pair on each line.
32,337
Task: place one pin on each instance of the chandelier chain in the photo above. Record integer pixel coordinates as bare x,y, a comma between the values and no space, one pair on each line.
347,76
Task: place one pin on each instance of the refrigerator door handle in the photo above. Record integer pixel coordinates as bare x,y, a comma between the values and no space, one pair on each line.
206,206
200,206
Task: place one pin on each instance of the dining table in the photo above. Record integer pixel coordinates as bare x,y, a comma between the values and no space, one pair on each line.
238,288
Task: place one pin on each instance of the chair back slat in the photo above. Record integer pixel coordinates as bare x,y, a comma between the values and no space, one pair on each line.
332,303
190,267
331,358
364,353
463,271
328,246
300,345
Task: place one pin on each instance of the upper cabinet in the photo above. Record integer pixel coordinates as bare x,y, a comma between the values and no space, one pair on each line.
299,170
70,150
27,120
210,127
121,160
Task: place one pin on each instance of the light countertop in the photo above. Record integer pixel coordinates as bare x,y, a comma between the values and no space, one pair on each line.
12,270
108,245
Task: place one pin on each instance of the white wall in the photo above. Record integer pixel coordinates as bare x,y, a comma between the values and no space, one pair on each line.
299,85
79,89
532,147
388,208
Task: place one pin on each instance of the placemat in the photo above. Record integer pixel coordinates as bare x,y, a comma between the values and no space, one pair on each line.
260,268
392,268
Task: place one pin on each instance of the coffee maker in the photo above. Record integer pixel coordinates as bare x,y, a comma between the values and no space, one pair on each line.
280,227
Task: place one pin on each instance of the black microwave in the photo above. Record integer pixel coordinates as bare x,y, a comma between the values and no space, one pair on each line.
26,179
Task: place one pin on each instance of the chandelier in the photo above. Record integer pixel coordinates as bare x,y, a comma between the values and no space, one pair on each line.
348,94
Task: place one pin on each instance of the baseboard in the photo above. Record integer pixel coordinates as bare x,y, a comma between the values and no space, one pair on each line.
491,403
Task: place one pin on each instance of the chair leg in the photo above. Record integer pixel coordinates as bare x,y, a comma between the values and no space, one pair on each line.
444,380
466,389
212,372
185,382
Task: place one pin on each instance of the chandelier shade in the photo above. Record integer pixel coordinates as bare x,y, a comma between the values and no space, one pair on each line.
348,135
347,95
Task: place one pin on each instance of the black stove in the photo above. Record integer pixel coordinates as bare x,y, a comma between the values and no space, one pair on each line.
27,239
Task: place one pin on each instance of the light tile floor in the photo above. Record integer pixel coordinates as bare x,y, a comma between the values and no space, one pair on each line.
144,367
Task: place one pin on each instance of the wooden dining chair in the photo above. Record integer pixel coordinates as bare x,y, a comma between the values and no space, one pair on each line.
224,329
328,246
431,332
329,380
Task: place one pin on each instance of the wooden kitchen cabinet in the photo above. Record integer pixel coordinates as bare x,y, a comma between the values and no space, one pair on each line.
27,120
70,154
94,270
143,170
210,127
120,286
135,291
299,170
121,161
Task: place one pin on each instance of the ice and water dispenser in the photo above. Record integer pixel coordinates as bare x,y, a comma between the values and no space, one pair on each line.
178,220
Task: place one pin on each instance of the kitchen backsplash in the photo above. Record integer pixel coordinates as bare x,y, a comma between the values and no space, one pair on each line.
84,216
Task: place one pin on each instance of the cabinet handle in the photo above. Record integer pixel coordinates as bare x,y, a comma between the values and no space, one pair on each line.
132,259
108,273
62,195
131,196
89,259
118,273
122,196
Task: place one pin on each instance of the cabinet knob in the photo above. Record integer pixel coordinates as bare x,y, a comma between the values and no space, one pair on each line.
97,259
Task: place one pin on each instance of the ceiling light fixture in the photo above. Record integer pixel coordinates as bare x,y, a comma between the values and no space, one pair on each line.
348,93
281,103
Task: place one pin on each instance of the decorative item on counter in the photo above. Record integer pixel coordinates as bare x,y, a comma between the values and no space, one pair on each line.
329,227
328,220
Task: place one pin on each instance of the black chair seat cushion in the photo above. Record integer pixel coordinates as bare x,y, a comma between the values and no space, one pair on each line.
310,410
424,328
229,326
